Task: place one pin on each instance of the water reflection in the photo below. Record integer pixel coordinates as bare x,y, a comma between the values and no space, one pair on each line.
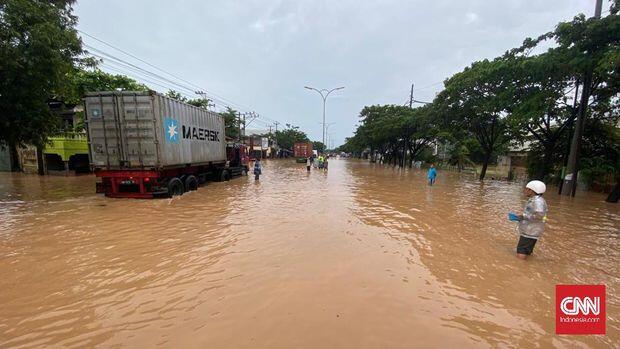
459,232
360,256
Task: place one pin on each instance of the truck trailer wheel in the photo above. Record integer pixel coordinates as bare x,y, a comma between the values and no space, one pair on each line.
175,187
191,183
224,176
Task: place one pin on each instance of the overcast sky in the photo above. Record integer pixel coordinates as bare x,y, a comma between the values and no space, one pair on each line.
259,54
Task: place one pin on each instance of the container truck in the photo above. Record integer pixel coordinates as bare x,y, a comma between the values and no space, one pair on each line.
145,145
302,151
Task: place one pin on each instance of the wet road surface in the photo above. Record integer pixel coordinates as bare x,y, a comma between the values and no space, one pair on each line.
364,256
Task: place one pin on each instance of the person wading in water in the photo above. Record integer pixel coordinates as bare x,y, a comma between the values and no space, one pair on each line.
258,169
432,174
531,224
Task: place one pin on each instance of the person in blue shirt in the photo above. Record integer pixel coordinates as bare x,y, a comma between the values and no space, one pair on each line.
258,169
432,174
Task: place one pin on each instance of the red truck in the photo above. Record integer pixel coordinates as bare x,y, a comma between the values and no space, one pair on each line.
302,150
144,145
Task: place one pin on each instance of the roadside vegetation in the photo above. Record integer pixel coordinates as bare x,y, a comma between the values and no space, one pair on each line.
527,98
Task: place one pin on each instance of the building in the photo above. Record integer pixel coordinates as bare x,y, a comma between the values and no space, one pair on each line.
260,144
514,163
65,154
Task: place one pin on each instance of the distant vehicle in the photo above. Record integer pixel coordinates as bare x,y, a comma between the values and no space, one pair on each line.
302,151
144,145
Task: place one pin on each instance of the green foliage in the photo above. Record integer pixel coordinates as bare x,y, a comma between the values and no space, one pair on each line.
460,155
550,86
318,146
231,117
601,151
39,48
514,99
176,95
397,134
203,103
287,137
231,122
92,80
475,103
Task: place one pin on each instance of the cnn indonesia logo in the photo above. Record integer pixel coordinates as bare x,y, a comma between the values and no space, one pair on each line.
580,309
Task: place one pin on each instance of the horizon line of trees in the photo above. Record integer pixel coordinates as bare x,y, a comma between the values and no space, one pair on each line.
517,99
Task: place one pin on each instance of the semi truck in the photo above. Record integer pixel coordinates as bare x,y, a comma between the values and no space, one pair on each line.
146,145
302,151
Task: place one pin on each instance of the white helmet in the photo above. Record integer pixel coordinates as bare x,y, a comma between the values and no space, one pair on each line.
537,187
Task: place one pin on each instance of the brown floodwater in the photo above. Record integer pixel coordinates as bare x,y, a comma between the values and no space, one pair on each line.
364,256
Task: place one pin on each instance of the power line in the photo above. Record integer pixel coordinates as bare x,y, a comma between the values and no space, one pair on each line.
427,86
140,73
164,71
132,67
162,81
115,69
104,55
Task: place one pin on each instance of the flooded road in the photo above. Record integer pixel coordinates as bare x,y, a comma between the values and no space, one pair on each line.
361,257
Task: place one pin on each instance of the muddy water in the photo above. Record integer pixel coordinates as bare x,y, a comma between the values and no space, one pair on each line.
361,257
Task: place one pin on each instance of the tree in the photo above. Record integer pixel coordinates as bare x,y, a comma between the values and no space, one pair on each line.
589,43
39,48
579,74
290,135
92,80
396,133
203,103
231,116
176,95
540,109
477,100
231,122
318,146
420,129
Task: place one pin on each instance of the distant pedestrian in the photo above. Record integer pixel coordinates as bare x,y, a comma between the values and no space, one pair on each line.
308,163
325,163
531,224
432,175
258,169
321,161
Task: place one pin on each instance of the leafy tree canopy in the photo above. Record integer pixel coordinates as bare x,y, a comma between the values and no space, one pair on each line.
39,48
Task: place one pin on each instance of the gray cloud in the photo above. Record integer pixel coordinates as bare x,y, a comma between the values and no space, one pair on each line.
261,53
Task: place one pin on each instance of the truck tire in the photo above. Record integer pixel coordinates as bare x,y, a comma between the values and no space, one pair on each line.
175,187
224,176
191,183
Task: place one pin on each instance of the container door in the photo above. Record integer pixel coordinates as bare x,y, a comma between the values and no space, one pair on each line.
136,130
103,130
121,130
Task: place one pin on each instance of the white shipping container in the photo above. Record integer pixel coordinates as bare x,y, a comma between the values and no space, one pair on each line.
147,130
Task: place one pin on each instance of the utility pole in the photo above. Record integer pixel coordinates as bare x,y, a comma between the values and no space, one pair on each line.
269,141
275,140
404,142
598,9
239,122
570,184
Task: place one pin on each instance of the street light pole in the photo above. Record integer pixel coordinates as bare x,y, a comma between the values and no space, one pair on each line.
324,96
